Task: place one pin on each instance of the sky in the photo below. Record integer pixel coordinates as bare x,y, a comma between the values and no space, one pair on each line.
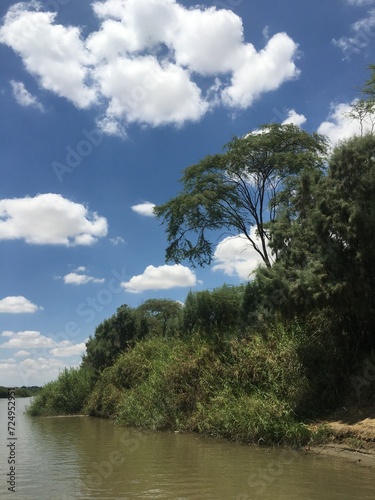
103,104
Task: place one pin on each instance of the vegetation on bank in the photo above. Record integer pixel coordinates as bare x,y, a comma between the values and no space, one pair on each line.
258,361
21,392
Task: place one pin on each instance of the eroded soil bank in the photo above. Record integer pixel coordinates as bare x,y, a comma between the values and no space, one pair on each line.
352,435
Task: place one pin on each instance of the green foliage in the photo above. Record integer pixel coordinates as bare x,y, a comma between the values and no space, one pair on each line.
324,239
112,337
159,316
213,313
65,396
254,390
234,190
21,392
364,108
251,418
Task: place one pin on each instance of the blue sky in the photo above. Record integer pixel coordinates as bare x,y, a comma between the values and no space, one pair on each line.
103,104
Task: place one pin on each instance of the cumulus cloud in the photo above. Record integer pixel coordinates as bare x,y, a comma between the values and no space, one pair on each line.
235,256
145,62
161,278
54,54
22,354
29,339
50,219
361,33
80,277
42,357
146,209
36,370
26,340
340,125
23,96
17,304
294,118
260,72
66,349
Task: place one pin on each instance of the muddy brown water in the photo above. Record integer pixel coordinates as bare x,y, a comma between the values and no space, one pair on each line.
69,458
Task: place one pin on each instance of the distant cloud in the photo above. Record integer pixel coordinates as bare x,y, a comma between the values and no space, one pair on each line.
360,2
294,118
23,96
161,278
361,33
151,63
68,349
21,354
146,209
26,340
340,126
50,219
31,371
17,305
117,241
42,355
78,277
235,256
35,340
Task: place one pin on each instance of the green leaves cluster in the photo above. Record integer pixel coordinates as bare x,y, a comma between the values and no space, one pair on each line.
237,190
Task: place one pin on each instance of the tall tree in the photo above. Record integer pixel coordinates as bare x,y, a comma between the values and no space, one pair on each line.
237,190
363,109
325,238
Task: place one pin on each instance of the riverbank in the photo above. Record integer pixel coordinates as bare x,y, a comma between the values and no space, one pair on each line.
350,435
262,389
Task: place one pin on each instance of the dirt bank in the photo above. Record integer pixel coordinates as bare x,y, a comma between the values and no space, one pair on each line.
351,435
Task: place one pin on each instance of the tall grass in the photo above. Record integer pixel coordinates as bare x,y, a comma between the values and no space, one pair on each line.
257,389
248,391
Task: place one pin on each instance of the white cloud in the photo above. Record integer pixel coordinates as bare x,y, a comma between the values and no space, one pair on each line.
340,126
42,358
117,241
235,256
26,340
146,209
260,72
36,370
360,2
161,278
35,340
53,53
361,33
17,304
77,278
49,219
22,354
23,96
68,349
146,61
294,118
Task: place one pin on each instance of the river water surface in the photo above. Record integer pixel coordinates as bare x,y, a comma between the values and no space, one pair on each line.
69,458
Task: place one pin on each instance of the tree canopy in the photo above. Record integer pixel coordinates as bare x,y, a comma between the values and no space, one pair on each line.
325,237
237,190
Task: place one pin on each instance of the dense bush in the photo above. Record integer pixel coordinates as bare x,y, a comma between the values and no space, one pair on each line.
65,396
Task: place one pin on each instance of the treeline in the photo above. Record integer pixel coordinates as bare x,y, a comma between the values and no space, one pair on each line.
21,392
253,362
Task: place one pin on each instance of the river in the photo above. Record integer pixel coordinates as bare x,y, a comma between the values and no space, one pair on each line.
67,458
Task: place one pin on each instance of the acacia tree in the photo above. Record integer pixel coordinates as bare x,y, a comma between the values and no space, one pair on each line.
237,190
364,108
